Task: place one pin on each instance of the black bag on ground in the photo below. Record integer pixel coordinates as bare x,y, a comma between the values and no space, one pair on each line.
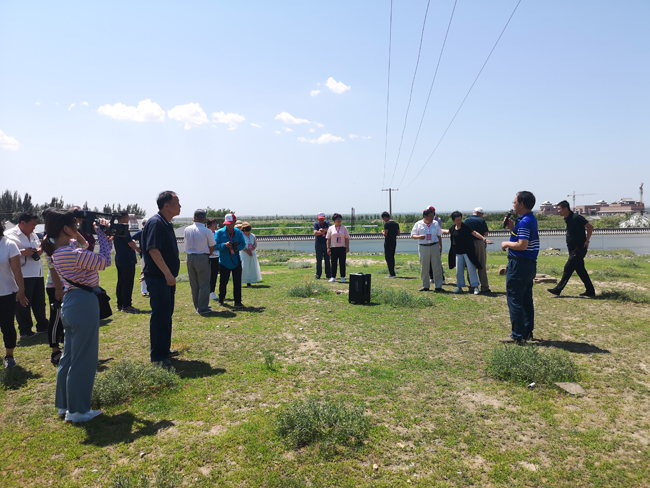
105,310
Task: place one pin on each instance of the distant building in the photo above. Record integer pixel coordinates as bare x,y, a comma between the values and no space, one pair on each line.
548,208
620,207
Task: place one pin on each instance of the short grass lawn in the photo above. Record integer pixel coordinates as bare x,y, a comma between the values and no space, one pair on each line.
416,374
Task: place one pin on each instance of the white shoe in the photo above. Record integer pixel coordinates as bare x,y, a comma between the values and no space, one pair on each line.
342,280
73,418
213,296
458,290
431,281
332,280
476,291
389,276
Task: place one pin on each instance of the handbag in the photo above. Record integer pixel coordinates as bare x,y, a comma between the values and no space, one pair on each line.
105,310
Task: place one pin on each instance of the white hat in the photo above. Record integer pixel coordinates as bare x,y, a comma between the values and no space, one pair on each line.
479,210
229,218
321,215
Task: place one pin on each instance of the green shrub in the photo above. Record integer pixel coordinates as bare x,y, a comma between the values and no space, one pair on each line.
634,296
399,298
183,278
627,263
307,290
300,265
527,364
325,422
550,270
610,272
126,379
279,259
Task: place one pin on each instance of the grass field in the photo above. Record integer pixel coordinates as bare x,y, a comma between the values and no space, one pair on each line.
418,373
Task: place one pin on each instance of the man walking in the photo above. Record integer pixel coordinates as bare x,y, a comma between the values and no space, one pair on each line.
229,241
390,232
578,244
30,254
523,249
199,244
161,267
429,234
476,222
320,231
125,261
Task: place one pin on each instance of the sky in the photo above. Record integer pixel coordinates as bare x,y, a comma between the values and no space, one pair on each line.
281,107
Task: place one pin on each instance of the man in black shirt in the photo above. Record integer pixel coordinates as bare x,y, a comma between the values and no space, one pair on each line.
578,244
391,231
477,223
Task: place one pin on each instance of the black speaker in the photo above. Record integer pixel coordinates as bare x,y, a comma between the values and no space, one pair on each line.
359,288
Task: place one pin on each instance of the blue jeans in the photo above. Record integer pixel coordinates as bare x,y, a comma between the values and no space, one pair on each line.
461,261
519,287
321,255
161,298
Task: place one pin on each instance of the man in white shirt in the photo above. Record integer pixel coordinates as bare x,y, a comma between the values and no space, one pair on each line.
199,244
30,261
429,234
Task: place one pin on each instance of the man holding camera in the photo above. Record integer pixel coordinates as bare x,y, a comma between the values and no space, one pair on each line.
161,267
229,240
125,261
30,254
578,244
199,244
476,222
523,248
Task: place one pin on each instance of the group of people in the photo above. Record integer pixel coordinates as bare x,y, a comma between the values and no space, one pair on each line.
73,275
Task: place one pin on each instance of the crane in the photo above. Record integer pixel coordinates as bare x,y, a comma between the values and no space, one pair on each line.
574,195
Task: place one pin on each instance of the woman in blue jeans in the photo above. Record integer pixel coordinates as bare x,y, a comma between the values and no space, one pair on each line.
78,269
462,253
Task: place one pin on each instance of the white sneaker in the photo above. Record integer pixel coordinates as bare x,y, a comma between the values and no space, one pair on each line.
213,296
476,291
342,280
458,290
74,418
431,281
391,276
332,280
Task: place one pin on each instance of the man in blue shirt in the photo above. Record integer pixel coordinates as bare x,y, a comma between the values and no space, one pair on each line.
125,261
229,241
320,231
161,267
523,249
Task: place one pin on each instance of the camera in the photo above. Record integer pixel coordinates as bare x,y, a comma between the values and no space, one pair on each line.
35,256
112,230
235,246
510,213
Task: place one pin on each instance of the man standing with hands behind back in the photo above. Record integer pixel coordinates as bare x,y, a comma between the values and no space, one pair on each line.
320,231
429,234
161,267
390,232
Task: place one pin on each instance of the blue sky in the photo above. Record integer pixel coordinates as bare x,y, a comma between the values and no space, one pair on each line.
217,101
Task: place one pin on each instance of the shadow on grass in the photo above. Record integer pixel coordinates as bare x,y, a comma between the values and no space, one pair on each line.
102,364
33,341
224,314
577,347
408,277
246,308
105,322
195,369
118,429
254,285
16,378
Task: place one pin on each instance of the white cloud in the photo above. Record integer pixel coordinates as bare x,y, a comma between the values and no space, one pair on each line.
353,136
257,126
287,118
231,119
356,136
7,142
70,107
286,129
336,86
312,130
313,93
277,132
38,103
324,139
84,104
146,111
191,114
317,124
365,138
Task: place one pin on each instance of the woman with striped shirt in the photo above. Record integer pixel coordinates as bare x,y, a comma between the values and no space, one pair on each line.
79,313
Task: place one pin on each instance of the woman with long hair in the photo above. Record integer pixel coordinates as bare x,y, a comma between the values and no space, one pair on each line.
79,270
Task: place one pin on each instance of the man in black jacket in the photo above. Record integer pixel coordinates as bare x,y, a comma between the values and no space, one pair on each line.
578,244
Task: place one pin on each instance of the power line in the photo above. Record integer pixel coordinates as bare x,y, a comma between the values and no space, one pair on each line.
442,50
406,116
467,95
390,37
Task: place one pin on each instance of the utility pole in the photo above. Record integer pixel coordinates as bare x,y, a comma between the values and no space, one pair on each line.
390,199
574,195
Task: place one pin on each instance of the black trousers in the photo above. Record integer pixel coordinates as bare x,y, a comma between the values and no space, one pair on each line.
236,283
55,327
389,255
35,293
214,272
124,289
338,256
7,314
321,255
576,262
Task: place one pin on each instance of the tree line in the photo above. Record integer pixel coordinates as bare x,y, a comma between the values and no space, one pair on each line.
12,205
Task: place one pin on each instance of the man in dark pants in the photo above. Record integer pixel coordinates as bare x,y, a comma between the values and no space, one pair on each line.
477,223
125,261
229,241
523,249
161,267
32,268
320,231
391,231
578,245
